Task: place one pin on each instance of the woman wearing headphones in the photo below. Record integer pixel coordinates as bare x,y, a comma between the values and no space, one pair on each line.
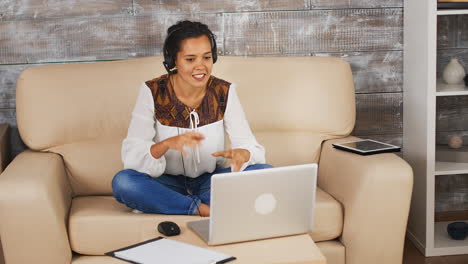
175,140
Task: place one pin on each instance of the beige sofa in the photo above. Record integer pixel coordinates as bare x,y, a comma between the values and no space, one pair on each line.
55,200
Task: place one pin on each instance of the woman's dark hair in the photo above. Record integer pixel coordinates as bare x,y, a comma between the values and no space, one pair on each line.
177,33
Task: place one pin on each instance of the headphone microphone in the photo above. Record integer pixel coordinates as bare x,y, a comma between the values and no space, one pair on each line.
168,69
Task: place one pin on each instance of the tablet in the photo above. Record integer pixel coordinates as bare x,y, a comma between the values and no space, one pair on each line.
366,147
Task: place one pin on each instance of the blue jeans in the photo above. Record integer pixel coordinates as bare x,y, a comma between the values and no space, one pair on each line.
166,194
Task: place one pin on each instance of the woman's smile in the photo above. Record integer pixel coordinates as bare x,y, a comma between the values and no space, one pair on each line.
199,77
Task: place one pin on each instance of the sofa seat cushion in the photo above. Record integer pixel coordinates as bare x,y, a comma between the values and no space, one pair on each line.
99,224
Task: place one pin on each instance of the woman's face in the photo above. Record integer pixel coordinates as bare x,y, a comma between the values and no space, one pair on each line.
194,62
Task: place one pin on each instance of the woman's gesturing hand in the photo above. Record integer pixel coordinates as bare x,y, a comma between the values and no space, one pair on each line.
237,157
190,139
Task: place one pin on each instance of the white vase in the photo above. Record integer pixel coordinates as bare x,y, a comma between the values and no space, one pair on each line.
453,72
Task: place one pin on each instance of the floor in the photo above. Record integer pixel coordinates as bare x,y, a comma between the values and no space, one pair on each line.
2,261
412,255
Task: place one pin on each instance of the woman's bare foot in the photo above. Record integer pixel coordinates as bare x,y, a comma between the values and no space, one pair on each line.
203,210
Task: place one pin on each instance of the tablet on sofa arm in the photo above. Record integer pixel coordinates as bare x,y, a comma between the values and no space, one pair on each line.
366,147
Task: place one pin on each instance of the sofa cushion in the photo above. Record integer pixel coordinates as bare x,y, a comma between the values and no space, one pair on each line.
99,224
91,165
67,103
313,94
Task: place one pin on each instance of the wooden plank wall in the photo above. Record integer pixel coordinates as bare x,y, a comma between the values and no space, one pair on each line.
366,33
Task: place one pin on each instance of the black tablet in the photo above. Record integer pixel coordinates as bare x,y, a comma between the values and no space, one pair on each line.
366,147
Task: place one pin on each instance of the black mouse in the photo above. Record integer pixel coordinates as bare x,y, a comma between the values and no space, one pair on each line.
168,228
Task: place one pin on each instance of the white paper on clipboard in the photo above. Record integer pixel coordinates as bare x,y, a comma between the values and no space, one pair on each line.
163,250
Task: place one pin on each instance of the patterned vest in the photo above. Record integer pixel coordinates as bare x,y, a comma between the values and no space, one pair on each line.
170,111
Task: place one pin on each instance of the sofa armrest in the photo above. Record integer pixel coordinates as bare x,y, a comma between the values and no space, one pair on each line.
375,192
35,198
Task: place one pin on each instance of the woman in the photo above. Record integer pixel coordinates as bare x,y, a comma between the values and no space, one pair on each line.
175,140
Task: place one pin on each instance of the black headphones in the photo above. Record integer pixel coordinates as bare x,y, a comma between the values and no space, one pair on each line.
169,59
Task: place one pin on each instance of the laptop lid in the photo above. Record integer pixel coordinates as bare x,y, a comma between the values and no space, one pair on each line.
259,204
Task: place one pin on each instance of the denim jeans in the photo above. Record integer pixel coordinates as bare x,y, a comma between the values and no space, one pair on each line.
166,194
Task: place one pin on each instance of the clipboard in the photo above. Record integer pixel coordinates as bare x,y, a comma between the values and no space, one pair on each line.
164,250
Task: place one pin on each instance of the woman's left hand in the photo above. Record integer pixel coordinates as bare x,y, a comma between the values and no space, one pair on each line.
237,157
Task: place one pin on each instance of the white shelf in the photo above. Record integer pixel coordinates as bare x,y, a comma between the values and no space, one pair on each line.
451,161
452,12
444,245
444,89
450,168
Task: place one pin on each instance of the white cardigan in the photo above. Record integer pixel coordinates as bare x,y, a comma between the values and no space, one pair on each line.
145,130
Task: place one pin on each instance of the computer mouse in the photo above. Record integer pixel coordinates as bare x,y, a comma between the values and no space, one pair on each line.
168,228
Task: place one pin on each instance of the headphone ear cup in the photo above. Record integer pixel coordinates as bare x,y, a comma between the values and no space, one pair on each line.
214,49
168,62
215,55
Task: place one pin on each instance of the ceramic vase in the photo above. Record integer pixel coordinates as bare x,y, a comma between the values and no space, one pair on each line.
453,72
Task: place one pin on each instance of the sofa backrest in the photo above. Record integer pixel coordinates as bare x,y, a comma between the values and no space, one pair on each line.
82,111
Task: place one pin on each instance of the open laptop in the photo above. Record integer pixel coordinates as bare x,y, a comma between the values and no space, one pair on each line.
258,204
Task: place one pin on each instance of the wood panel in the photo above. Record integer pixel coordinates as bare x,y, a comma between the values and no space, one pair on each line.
379,113
307,32
181,6
316,4
451,193
8,116
451,31
8,77
96,38
26,9
452,113
376,72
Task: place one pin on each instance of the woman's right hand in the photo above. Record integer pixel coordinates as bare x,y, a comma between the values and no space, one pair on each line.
189,139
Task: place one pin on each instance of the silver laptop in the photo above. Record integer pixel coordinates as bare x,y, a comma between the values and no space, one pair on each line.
259,204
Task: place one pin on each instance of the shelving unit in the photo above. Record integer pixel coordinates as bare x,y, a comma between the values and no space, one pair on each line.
420,92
